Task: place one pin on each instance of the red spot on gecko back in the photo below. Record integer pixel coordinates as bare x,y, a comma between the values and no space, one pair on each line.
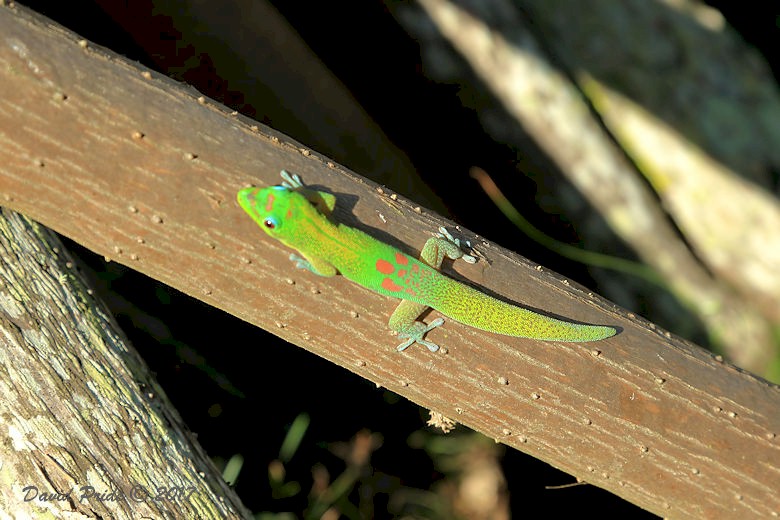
384,267
401,259
269,204
390,285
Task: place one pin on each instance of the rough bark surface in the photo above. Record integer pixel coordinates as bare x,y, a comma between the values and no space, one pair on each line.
134,167
86,429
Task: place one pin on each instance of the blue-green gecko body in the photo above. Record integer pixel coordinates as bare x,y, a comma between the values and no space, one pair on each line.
299,217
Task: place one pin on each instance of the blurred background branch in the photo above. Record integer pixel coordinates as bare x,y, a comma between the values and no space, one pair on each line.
672,137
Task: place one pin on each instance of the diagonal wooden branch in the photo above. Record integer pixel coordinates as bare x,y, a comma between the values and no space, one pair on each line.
141,170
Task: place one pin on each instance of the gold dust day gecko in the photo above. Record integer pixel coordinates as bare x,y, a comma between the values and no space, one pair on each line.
299,217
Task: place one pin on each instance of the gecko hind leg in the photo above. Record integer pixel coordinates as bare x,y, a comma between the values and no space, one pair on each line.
441,245
416,333
404,321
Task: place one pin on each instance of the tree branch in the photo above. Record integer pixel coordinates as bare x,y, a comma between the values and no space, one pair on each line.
134,167
87,426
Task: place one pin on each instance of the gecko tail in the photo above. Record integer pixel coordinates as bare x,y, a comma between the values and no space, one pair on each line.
476,309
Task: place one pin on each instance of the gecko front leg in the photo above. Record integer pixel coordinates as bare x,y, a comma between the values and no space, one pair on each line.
315,265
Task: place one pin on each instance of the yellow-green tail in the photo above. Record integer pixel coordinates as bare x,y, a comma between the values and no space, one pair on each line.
476,309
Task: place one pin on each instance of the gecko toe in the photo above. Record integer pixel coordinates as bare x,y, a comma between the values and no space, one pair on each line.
405,345
433,347
432,325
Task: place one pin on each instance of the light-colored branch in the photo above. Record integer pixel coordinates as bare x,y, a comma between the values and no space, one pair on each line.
85,423
708,148
132,166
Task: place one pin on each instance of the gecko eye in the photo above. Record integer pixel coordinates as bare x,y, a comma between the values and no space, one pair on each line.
270,223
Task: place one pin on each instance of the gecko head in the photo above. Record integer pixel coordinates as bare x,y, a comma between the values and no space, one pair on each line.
271,208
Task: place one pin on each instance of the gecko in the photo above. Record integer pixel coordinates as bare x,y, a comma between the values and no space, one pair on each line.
300,218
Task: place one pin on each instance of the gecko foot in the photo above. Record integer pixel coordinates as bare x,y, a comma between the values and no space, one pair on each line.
301,263
416,334
291,180
444,234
